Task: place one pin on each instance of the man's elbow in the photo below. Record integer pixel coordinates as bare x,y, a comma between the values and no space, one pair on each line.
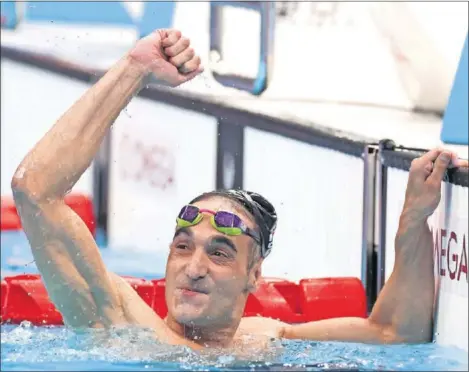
21,188
23,181
17,181
391,335
27,187
422,337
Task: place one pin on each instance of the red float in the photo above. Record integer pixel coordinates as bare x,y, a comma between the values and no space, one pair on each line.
3,296
275,298
325,298
159,304
9,220
81,204
27,299
24,297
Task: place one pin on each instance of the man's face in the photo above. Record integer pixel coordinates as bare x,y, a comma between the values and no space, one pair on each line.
207,276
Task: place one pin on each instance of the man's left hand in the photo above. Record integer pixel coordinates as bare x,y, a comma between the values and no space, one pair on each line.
423,191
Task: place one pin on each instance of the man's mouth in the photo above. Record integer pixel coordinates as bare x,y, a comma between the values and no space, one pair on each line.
192,291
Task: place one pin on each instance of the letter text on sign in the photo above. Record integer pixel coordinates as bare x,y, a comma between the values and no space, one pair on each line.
452,253
443,251
151,164
454,257
463,261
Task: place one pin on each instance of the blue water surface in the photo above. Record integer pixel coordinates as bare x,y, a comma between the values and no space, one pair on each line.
28,348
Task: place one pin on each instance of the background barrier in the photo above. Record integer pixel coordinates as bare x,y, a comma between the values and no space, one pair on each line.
158,169
162,157
29,112
195,144
296,176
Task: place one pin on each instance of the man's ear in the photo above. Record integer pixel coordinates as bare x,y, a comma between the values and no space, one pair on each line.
255,275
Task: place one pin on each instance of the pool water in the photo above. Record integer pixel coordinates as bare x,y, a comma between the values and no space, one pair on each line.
28,348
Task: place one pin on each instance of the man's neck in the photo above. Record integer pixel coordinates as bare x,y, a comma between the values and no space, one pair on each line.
209,336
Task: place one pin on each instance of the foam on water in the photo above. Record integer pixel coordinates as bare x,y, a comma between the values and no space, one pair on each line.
26,347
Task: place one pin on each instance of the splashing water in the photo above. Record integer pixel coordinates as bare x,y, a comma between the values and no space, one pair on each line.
27,347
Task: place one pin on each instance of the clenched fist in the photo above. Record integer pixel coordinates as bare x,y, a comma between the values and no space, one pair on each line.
423,191
168,55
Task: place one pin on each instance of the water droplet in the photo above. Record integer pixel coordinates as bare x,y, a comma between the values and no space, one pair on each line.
25,324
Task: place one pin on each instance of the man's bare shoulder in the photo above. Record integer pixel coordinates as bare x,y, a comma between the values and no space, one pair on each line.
260,326
258,338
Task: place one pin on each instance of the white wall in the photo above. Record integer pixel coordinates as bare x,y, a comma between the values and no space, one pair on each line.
162,158
303,182
319,227
32,100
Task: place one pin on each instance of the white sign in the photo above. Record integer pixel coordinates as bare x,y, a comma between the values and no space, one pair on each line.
161,158
319,225
32,101
449,229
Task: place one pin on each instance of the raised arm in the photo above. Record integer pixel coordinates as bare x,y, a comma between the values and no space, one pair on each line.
65,252
404,309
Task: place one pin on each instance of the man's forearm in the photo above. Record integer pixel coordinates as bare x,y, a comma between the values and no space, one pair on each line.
405,305
59,159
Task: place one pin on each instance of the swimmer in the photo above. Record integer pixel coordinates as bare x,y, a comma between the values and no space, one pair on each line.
220,241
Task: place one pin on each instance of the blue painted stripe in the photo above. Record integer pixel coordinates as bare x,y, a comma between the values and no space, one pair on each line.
259,83
9,15
88,12
455,122
156,15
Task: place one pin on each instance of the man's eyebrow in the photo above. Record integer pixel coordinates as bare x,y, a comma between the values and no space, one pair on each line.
183,230
216,239
223,240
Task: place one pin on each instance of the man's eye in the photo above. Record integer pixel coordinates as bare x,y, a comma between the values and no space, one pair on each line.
220,254
181,246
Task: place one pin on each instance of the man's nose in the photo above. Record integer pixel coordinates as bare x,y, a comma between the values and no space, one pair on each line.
197,267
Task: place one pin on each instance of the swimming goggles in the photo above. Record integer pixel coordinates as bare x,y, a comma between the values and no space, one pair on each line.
226,222
261,209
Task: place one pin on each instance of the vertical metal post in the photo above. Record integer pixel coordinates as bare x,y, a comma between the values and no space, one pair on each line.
101,185
101,170
381,211
230,155
368,227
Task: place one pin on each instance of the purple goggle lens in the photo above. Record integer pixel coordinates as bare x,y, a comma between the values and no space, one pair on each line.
189,213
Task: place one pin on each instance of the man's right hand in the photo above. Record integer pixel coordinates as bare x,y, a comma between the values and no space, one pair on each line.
167,55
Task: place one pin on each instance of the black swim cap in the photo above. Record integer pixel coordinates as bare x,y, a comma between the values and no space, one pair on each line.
261,209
